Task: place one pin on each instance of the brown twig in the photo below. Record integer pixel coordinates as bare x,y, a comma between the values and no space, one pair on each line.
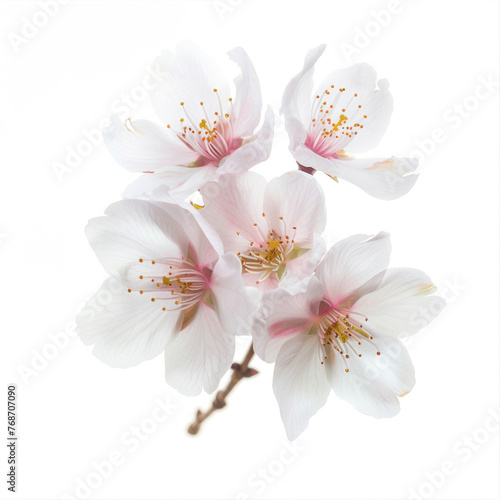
240,371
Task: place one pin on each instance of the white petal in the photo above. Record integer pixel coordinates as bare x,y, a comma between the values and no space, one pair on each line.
189,76
300,382
253,151
352,262
305,264
297,135
199,355
296,102
233,205
204,244
126,328
147,148
270,283
181,182
232,303
375,104
386,179
164,198
248,99
307,158
295,200
401,305
373,381
135,229
283,313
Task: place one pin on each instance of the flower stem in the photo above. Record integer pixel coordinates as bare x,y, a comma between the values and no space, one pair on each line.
240,371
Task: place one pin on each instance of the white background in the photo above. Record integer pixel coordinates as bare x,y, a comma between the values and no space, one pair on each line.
88,60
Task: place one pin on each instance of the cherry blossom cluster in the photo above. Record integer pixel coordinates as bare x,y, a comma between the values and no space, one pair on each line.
246,256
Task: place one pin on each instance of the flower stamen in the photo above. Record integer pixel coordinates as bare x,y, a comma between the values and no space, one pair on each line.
270,257
179,282
327,135
338,332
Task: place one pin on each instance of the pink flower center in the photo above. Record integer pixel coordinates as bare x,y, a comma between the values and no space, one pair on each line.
209,136
177,281
336,117
269,255
340,332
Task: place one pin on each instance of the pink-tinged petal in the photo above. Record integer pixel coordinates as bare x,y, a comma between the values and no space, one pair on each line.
304,265
402,304
181,182
387,179
125,328
297,135
233,205
133,230
189,76
296,102
395,368
248,99
270,283
204,245
351,263
138,229
164,198
283,313
300,382
200,354
374,382
307,158
294,205
366,109
253,151
232,303
144,146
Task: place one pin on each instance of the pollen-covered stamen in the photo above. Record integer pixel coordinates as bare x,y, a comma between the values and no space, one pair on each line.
270,256
342,331
210,134
336,118
175,280
267,259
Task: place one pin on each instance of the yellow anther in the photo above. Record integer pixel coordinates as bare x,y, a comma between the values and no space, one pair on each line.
342,119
